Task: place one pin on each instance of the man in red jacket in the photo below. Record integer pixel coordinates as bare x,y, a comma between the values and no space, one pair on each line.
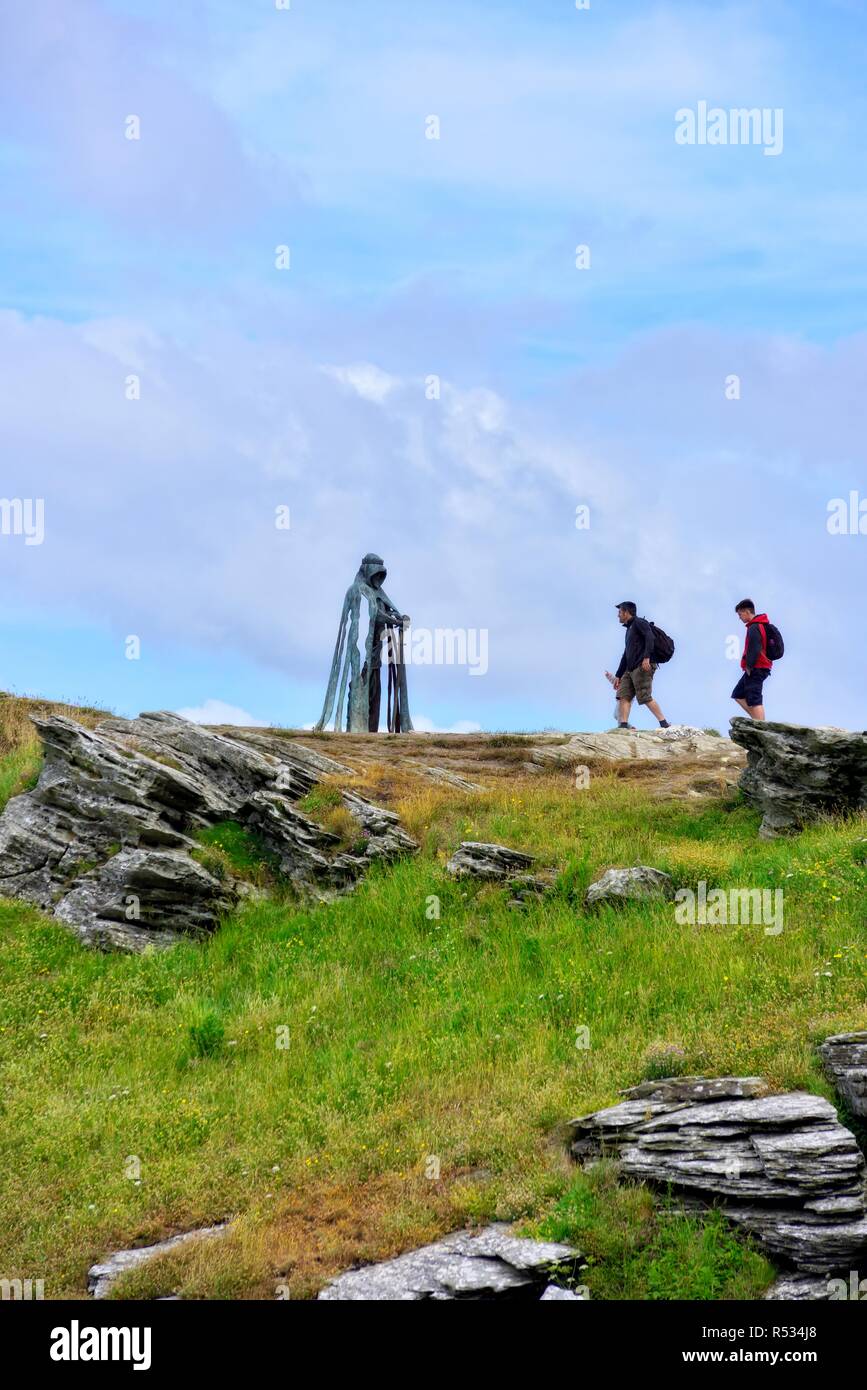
755,663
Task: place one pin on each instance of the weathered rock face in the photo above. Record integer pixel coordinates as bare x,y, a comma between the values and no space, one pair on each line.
795,774
104,840
452,779
288,750
628,885
800,1287
166,894
380,828
494,863
782,1166
491,1265
844,1057
639,745
497,864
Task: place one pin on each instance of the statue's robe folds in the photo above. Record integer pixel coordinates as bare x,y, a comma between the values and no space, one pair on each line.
367,609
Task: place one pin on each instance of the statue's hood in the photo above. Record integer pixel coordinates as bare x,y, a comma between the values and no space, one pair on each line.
372,567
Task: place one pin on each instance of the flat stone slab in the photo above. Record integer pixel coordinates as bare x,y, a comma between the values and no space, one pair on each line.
687,1089
680,742
452,779
101,1277
492,1264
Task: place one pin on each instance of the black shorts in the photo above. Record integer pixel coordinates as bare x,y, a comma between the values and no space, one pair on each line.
749,688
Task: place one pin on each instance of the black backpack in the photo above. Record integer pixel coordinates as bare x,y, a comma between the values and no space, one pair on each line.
775,647
663,645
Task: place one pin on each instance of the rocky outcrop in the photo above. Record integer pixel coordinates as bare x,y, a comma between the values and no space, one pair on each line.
795,774
497,864
452,779
800,1287
287,750
782,1166
492,863
629,885
144,896
639,745
101,1277
491,1265
105,841
380,829
527,889
844,1057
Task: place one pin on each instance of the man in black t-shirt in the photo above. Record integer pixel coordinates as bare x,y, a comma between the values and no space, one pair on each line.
633,679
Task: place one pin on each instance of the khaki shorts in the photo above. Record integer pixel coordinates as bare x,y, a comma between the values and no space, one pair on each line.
637,685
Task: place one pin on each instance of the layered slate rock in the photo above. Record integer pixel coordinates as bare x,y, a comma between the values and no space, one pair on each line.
795,774
497,864
782,1166
844,1057
381,829
493,1264
492,863
141,897
289,750
452,779
630,885
105,841
801,1287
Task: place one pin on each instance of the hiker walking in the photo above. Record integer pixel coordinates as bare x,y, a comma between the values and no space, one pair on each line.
763,646
633,679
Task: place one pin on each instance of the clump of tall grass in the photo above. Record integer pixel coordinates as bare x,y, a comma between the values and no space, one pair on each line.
16,727
20,747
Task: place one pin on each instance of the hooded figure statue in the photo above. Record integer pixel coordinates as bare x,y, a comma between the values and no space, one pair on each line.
384,622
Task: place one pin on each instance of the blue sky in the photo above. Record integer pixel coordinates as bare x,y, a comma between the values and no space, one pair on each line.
410,257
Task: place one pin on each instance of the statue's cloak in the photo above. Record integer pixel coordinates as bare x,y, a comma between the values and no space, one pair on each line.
367,610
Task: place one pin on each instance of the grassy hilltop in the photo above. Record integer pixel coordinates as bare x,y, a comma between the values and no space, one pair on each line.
350,1080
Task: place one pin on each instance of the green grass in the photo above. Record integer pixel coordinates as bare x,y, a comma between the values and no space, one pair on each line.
298,1071
228,848
207,1035
322,798
638,1249
19,771
324,804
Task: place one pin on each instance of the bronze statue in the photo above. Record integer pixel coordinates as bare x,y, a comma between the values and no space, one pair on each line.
385,626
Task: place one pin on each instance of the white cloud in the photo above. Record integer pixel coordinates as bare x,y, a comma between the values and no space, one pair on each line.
423,725
160,513
369,382
218,712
